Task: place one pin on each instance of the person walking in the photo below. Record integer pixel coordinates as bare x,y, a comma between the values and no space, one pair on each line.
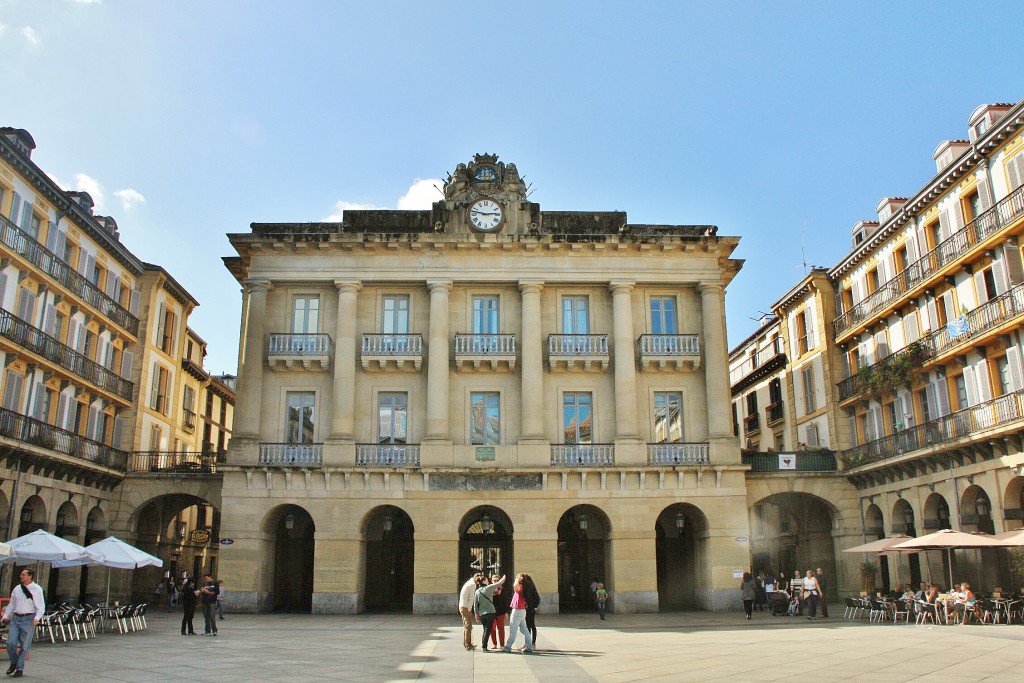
23,613
518,621
749,589
820,576
532,605
501,607
188,604
811,594
483,605
208,594
220,599
600,597
466,596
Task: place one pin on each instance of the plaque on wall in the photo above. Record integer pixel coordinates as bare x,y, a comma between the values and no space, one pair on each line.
486,482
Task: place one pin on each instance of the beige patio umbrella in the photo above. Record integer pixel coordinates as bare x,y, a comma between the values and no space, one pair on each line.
947,540
1016,536
885,547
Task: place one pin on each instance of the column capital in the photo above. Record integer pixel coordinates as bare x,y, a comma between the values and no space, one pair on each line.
350,286
439,285
709,288
258,285
531,286
621,286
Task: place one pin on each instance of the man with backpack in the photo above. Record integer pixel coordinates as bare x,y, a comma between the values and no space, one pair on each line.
23,612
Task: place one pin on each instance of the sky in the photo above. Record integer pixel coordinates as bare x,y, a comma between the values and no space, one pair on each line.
782,123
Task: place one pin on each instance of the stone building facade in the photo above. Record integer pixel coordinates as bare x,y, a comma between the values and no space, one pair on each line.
482,385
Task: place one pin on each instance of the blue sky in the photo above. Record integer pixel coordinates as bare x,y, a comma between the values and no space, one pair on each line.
783,123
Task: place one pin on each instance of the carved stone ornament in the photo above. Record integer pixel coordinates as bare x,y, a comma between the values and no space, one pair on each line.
485,176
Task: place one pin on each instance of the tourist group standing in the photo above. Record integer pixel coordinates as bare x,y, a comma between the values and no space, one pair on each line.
488,601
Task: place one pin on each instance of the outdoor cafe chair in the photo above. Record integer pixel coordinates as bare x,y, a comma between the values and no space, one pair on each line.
901,607
926,611
851,608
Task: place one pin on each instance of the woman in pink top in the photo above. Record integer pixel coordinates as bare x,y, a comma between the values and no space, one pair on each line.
517,622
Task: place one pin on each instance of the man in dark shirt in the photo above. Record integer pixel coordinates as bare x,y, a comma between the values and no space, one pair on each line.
209,593
823,598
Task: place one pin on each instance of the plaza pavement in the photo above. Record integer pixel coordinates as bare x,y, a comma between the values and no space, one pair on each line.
693,646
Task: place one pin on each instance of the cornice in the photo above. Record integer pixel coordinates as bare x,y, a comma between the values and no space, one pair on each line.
172,286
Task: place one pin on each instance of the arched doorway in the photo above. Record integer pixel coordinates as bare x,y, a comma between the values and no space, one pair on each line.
33,516
95,530
980,566
388,535
903,523
61,583
294,535
485,543
180,529
937,517
874,529
681,538
794,531
583,547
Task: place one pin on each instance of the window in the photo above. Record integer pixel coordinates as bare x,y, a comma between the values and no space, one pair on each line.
301,417
395,321
392,417
933,232
158,392
663,315
926,407
973,206
575,315
155,438
33,227
900,259
485,418
165,330
751,407
872,279
775,391
668,417
577,417
485,315
804,332
306,315
1003,372
811,436
961,391
810,403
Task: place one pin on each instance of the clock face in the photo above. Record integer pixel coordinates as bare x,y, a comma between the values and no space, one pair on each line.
486,215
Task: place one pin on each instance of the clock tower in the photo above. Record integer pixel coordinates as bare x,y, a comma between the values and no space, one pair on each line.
486,197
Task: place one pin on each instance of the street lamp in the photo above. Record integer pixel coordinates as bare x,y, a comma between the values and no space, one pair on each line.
981,507
387,522
943,514
486,523
908,517
582,520
289,522
680,522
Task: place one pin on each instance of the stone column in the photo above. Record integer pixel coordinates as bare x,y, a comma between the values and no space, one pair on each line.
250,375
343,418
437,363
723,445
532,363
626,427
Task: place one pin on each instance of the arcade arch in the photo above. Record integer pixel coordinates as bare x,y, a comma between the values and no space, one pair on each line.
792,532
681,549
583,556
293,534
182,530
388,542
485,543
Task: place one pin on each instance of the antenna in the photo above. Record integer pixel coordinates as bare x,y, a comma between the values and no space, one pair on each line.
803,240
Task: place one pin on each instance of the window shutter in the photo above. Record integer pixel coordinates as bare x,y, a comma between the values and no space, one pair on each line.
12,392
942,396
159,325
853,431
127,361
49,319
155,388
911,250
876,416
59,243
812,436
15,207
999,276
26,218
133,302
3,290
118,433
26,305
1011,169
73,334
979,287
933,318
971,386
108,286
913,329
62,409
881,346
944,230
51,236
984,384
1013,359
984,202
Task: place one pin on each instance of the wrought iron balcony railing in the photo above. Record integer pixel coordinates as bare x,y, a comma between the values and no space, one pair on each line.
678,454
292,454
800,461
37,433
289,344
583,455
751,424
1007,211
758,360
774,412
1004,410
387,455
485,345
28,248
35,340
174,462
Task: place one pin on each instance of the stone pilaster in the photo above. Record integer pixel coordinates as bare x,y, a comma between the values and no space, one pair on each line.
724,447
250,375
437,363
343,416
532,363
626,425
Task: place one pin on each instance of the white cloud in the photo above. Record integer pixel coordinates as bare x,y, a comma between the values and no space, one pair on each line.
421,194
129,197
93,187
342,205
30,34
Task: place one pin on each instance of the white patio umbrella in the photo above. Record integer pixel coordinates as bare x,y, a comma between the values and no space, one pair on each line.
1016,537
947,540
886,547
5,549
42,546
113,552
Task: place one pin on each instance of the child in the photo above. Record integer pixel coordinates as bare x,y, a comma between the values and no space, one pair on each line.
601,596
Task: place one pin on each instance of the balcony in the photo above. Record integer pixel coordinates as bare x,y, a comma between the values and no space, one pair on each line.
588,351
918,274
387,455
678,454
194,369
188,419
43,435
398,351
291,454
299,351
38,342
583,455
39,256
493,351
774,413
801,461
174,462
964,424
757,367
671,351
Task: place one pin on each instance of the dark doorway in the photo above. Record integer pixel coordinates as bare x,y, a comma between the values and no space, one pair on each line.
293,560
582,550
389,560
485,544
679,537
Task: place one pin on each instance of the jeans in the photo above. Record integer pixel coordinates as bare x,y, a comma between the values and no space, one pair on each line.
219,608
487,621
600,607
812,605
20,631
517,624
210,625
